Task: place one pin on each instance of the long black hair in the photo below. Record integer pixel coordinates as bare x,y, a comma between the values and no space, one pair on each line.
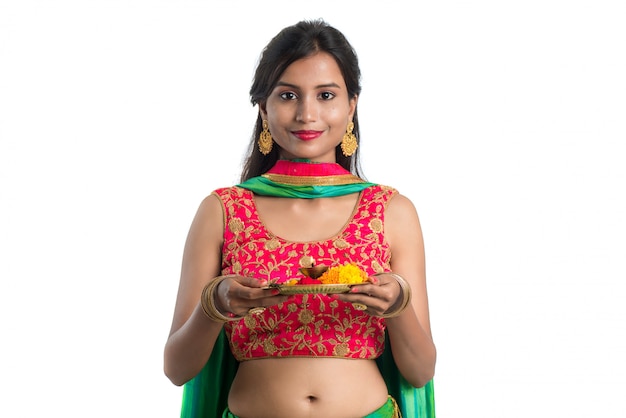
291,44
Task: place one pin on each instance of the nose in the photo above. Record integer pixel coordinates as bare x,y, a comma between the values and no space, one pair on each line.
307,110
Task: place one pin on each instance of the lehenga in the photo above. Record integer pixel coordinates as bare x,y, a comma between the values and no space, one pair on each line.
206,395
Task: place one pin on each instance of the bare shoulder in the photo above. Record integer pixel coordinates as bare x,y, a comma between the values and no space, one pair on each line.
209,218
400,207
211,205
402,221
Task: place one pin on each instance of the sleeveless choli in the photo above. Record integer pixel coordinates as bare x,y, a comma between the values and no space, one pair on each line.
306,325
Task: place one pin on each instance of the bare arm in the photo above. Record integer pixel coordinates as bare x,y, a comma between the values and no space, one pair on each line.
193,334
410,334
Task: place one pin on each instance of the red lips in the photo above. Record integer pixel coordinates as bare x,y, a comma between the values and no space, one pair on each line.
307,135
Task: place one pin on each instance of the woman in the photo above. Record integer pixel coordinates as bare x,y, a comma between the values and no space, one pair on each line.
299,205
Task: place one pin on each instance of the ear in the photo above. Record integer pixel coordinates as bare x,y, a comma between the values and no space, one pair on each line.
352,104
263,110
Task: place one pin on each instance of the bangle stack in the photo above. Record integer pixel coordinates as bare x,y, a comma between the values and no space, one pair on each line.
207,300
405,289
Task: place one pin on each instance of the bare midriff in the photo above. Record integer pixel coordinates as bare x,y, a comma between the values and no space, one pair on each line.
306,387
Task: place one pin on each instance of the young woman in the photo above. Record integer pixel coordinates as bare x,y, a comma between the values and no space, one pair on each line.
246,348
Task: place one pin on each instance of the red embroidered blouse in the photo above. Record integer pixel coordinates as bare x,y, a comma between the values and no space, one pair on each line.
305,325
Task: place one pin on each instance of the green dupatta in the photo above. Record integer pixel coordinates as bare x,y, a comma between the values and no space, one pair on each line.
206,395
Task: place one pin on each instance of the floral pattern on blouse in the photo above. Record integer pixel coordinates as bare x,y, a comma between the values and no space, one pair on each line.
307,325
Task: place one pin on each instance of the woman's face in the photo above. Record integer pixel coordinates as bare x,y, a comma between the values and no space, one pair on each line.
309,109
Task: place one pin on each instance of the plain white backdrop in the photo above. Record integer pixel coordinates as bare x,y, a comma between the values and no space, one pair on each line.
504,122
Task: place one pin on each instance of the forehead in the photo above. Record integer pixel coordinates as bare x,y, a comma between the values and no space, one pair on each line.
314,69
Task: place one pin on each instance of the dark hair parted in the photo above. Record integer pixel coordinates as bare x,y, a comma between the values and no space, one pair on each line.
291,44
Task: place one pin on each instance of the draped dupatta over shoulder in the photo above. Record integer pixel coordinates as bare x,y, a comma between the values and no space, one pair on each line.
301,179
206,395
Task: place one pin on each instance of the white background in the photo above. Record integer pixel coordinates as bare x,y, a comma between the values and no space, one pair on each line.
503,121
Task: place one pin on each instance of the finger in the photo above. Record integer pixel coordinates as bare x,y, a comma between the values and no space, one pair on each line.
373,279
273,299
377,302
251,282
367,289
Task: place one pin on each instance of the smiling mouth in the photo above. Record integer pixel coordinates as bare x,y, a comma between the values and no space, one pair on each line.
307,135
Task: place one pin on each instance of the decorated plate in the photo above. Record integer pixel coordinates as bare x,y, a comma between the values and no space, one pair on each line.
312,285
298,289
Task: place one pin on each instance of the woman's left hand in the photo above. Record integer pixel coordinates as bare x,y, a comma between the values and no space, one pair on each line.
376,296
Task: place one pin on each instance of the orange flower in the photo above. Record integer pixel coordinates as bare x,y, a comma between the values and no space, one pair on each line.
346,274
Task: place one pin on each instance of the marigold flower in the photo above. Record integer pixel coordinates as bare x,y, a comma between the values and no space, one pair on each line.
346,274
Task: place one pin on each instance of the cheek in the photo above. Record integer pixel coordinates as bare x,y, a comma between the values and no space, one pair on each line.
339,112
338,117
276,122
277,115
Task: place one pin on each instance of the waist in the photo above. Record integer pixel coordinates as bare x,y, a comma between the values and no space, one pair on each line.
305,387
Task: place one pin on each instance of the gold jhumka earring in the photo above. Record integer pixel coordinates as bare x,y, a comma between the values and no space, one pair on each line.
348,142
265,139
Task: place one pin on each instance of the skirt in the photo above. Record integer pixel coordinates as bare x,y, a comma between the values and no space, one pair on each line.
388,410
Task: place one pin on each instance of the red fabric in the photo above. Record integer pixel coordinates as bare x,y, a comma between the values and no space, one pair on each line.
306,325
296,168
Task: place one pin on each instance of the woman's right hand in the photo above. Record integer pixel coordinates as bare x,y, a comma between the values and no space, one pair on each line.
239,294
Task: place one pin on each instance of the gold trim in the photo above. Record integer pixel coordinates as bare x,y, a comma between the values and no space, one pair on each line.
301,289
396,409
313,180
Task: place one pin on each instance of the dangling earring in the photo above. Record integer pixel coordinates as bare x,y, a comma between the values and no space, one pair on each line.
348,143
265,139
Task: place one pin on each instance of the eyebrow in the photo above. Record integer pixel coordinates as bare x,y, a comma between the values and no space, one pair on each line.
320,86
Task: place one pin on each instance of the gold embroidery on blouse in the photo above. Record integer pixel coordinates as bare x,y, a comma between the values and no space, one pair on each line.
377,267
376,225
341,243
235,225
295,327
269,347
271,244
306,316
341,349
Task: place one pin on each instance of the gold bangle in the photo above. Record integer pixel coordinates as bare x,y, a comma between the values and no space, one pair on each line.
207,301
405,288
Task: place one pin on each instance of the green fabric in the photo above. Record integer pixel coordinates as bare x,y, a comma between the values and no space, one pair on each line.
413,402
206,395
266,187
385,411
228,414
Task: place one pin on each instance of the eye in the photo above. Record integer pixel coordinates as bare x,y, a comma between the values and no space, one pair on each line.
288,95
327,95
